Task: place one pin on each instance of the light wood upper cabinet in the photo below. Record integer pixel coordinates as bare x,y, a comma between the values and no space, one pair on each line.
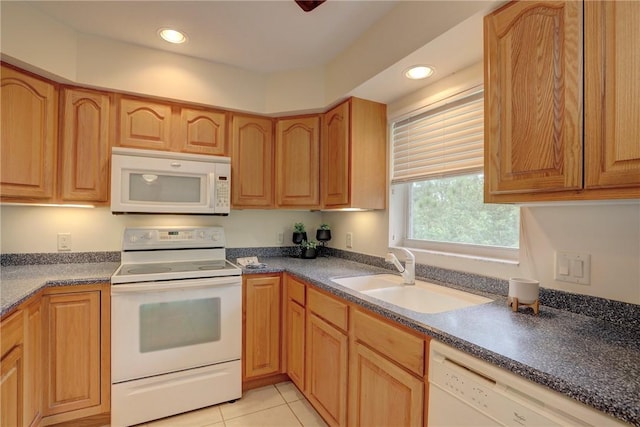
612,91
145,124
354,146
298,162
262,304
85,145
202,132
533,95
252,158
28,141
539,101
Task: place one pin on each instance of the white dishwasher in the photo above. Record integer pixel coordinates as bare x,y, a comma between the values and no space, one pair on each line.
466,391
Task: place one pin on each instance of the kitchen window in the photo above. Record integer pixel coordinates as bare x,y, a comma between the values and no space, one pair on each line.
437,183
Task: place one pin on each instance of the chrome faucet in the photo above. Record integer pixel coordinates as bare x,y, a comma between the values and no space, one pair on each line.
408,272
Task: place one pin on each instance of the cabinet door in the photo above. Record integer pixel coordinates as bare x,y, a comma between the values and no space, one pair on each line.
203,132
326,370
335,156
533,98
11,388
612,90
28,141
72,351
84,149
145,124
295,342
262,296
382,393
252,151
33,363
298,162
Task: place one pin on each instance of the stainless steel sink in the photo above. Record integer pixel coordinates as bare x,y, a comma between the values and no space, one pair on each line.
423,297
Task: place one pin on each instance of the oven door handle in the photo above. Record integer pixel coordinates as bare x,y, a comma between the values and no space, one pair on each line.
148,287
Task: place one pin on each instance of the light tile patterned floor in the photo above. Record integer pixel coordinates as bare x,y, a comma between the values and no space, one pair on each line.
281,405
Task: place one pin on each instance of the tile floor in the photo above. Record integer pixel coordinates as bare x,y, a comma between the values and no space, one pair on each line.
281,405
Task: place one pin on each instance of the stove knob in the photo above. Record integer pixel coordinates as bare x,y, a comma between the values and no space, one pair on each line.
147,236
202,235
215,236
133,238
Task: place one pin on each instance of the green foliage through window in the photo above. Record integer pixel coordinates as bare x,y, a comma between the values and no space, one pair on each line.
452,210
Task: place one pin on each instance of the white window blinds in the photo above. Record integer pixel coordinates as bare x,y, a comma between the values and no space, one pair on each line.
442,141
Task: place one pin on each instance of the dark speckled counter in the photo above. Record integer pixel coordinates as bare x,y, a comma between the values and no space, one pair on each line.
594,361
19,282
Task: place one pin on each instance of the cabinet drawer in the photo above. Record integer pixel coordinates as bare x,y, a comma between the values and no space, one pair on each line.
328,308
295,290
400,346
12,332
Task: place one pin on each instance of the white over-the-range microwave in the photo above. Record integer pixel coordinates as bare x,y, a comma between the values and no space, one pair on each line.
148,181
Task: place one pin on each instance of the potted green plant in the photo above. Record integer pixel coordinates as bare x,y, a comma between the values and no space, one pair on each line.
309,249
299,233
323,233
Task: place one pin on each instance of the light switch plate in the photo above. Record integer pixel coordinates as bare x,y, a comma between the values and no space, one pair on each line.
573,267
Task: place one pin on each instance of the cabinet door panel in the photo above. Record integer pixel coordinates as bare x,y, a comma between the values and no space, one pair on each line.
203,132
533,97
252,151
335,157
326,369
262,326
28,141
298,162
72,351
33,363
145,124
295,342
85,146
382,393
11,382
612,84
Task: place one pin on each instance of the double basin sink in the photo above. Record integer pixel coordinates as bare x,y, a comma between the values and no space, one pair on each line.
423,297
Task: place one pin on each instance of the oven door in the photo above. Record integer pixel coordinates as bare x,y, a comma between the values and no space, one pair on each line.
168,326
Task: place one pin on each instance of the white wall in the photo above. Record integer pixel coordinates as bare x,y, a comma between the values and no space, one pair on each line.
27,229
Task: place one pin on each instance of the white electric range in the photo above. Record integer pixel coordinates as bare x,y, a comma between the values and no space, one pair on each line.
176,324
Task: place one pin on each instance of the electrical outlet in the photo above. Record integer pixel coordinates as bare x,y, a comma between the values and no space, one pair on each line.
280,237
350,239
64,241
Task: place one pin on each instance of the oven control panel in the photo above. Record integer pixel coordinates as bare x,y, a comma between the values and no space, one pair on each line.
172,237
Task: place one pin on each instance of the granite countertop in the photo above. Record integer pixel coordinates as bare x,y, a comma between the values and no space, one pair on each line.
594,361
19,282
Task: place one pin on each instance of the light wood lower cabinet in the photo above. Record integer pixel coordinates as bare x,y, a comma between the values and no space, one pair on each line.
33,362
261,313
381,392
326,368
72,351
12,370
295,331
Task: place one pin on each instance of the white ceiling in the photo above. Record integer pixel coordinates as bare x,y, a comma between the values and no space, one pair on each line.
270,35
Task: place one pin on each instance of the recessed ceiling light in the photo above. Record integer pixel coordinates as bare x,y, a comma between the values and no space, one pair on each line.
172,36
419,72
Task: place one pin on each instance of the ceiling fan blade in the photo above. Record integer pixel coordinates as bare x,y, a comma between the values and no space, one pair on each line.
309,5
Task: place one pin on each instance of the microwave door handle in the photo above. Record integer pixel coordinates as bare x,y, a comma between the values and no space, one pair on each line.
212,190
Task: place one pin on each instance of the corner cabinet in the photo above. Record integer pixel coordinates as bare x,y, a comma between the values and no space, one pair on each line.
29,137
354,149
252,157
298,162
85,145
535,87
